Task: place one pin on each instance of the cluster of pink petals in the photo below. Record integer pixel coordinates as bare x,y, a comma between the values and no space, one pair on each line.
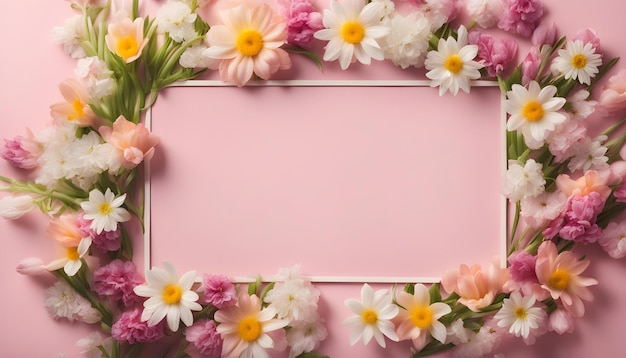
580,218
588,36
117,281
22,152
76,108
613,96
219,291
521,16
133,141
203,335
65,229
530,65
129,328
476,287
303,20
565,137
613,239
591,181
493,53
544,34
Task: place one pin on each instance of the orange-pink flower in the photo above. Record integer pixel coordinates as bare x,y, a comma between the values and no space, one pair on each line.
560,275
590,182
65,230
76,106
125,38
134,142
476,286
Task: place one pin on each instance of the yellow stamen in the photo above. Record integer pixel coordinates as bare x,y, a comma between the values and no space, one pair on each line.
453,64
422,316
369,316
520,313
78,107
127,47
579,61
105,209
533,111
172,294
249,329
72,253
559,280
352,32
249,42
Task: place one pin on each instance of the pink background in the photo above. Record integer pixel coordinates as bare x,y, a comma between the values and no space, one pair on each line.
32,66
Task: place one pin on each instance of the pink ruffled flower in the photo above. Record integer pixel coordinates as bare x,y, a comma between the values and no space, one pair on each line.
530,65
219,291
561,321
613,239
494,54
522,266
302,21
205,338
129,328
521,16
117,281
588,36
22,152
588,183
133,141
76,108
476,286
544,34
104,241
613,96
559,274
580,218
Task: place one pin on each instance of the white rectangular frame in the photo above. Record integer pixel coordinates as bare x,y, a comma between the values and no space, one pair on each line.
336,83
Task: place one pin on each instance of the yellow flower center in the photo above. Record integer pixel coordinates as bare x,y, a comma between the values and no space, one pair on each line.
105,209
520,313
352,32
533,111
249,329
249,42
172,294
369,316
127,47
422,316
78,108
559,280
72,253
579,61
453,64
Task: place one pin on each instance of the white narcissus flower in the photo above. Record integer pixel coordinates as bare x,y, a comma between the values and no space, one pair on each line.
105,210
520,314
373,316
578,60
15,206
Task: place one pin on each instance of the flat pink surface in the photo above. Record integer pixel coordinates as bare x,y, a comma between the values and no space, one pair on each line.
32,65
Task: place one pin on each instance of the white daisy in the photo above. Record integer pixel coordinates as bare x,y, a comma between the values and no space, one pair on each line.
520,315
452,66
169,297
352,31
578,60
105,210
533,112
373,316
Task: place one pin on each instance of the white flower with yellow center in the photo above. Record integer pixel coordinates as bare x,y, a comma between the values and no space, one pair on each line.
452,66
353,31
533,112
72,261
520,314
373,316
578,60
169,297
105,210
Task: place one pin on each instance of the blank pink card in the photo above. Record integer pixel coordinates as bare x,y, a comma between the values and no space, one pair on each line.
377,182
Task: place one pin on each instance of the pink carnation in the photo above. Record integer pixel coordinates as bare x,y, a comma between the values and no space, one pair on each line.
521,16
117,280
494,54
205,338
22,152
522,266
104,241
580,218
302,21
219,291
129,328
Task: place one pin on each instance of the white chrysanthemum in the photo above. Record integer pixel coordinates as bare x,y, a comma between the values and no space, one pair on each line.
294,300
169,297
193,57
352,31
590,155
176,19
61,301
304,336
452,66
105,210
520,315
539,210
407,43
70,34
533,112
523,181
96,77
373,316
578,60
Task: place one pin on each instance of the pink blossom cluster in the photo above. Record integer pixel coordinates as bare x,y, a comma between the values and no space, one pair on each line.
104,241
303,20
117,280
494,53
22,152
521,16
219,291
130,328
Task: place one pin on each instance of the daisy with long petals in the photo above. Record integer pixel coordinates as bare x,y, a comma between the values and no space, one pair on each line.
578,60
533,112
168,297
373,316
419,319
520,314
105,210
245,328
353,31
452,66
248,43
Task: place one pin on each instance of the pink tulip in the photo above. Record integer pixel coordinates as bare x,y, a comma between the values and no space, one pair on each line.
134,141
476,286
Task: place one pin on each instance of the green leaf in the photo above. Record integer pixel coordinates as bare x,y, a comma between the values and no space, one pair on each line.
435,293
409,288
310,54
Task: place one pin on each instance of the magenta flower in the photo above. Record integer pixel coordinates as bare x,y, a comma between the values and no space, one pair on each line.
117,280
580,218
530,65
205,338
218,291
494,54
521,16
129,328
21,152
302,21
522,266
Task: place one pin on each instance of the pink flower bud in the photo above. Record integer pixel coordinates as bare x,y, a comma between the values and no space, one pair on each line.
13,207
544,34
31,266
